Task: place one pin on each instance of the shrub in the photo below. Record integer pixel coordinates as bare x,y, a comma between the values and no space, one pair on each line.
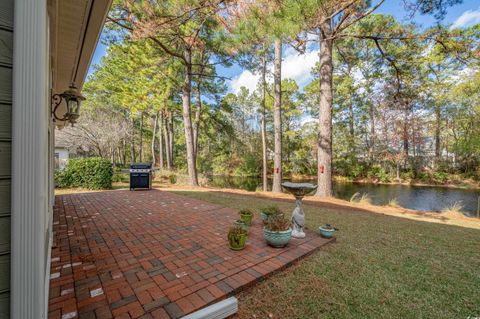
406,176
90,173
172,178
62,180
440,177
248,166
377,171
119,177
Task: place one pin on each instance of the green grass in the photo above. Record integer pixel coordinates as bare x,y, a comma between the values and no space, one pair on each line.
380,267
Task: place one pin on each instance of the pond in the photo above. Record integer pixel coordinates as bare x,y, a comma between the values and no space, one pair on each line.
428,198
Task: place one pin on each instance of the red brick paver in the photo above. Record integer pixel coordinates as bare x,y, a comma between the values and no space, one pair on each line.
122,254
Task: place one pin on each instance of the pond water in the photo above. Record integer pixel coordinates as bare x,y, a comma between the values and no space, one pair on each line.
413,197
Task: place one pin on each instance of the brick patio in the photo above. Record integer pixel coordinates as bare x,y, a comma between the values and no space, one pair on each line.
152,254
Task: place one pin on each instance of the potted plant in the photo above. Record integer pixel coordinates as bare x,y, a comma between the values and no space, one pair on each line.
277,231
327,230
237,236
270,212
246,215
241,223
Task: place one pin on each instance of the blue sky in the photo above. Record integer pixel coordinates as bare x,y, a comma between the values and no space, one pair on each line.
298,66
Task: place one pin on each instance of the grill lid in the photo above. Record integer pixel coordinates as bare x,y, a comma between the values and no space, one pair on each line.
140,166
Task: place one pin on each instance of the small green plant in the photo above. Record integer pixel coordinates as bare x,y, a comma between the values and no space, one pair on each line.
365,199
360,198
172,178
237,237
271,210
245,211
329,227
456,207
393,202
246,215
440,177
278,224
354,197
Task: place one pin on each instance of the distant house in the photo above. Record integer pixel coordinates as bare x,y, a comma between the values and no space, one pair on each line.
62,155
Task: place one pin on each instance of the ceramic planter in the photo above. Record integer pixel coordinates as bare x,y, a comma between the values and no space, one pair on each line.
277,238
237,241
241,223
247,218
326,232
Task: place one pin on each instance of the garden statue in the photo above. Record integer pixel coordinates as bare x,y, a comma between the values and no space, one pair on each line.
299,190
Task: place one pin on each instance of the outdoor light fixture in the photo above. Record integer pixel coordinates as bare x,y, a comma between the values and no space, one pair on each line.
72,99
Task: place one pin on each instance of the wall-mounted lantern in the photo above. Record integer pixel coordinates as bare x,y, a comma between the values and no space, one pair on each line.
72,100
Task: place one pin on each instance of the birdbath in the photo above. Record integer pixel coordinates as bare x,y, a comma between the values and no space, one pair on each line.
299,190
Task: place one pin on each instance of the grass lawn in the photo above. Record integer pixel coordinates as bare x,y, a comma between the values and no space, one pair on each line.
380,267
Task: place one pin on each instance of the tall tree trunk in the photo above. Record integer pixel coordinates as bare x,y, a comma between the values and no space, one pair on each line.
154,135
133,140
324,154
351,127
438,122
198,114
121,154
167,140
277,118
124,146
140,148
187,119
171,138
264,127
405,134
160,140
371,109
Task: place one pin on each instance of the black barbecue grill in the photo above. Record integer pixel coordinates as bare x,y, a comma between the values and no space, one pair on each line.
140,176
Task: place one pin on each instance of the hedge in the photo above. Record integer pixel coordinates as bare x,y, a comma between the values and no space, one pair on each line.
90,173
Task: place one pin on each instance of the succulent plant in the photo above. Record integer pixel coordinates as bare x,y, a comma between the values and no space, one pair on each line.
245,211
278,224
271,210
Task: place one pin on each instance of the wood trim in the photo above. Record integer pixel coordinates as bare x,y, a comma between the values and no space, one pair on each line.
30,120
96,19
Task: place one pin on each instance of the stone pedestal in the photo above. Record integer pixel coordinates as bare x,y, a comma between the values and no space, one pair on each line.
299,190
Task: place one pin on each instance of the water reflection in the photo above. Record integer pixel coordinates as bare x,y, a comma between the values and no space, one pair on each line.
414,197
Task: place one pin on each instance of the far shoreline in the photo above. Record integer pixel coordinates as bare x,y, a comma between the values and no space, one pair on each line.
469,185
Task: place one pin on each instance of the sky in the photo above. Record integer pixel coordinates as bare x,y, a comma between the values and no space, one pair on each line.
298,66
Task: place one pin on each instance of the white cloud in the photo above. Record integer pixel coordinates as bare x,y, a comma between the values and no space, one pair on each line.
468,18
246,79
294,66
299,66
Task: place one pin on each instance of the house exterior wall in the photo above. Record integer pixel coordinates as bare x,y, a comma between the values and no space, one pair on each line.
6,65
31,153
27,64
